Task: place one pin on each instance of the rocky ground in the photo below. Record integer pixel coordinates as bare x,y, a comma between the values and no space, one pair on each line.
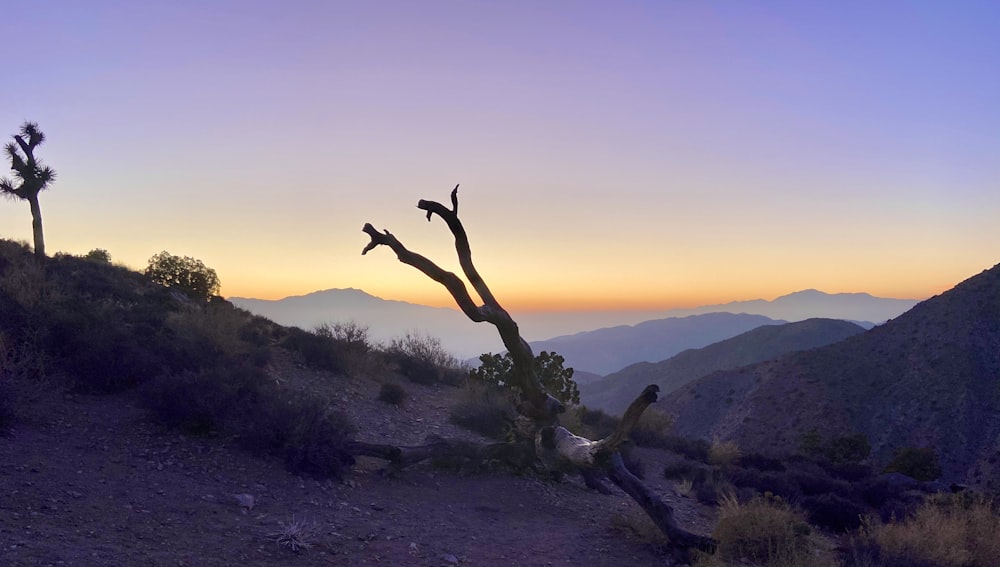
90,480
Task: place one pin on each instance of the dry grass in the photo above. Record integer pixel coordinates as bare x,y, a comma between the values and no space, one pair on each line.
723,453
636,525
295,535
948,531
765,532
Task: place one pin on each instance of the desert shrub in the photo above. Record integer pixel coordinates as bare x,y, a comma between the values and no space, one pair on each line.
723,453
319,352
833,512
764,532
947,531
183,273
392,393
919,463
498,370
485,410
423,360
651,429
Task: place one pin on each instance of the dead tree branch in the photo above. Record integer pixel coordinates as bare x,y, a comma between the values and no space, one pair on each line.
542,438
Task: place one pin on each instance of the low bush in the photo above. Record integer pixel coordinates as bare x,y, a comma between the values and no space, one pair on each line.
763,532
723,453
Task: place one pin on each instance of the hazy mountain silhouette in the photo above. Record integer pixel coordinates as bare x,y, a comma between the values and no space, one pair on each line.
606,350
811,303
387,318
614,392
930,378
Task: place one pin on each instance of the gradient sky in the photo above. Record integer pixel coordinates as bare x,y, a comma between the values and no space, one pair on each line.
611,154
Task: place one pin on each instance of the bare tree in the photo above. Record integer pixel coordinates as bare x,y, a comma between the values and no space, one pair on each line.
32,176
540,438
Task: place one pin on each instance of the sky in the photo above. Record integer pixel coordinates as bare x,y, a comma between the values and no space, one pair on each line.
611,155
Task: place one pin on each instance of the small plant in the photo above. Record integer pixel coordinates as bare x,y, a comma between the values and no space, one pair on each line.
295,535
392,393
498,370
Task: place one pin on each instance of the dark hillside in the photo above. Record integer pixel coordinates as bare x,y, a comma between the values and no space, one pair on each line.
614,392
929,378
610,349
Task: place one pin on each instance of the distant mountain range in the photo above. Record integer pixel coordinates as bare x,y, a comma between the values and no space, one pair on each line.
387,319
613,393
929,378
606,350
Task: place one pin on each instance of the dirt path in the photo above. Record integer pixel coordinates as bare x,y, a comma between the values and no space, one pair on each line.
89,481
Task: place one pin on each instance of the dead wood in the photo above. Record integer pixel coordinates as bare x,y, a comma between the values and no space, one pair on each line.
558,449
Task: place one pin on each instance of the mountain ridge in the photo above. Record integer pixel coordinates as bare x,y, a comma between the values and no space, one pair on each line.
928,378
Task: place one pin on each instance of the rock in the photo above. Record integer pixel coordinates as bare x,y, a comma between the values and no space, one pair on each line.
449,559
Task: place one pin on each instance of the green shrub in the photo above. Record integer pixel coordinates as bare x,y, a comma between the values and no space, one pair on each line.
391,393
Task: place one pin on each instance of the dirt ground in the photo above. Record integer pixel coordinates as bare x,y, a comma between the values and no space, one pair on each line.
90,480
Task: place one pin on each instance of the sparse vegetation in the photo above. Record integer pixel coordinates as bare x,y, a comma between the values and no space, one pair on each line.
486,410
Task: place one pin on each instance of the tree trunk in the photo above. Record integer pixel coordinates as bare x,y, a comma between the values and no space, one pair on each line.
36,226
554,446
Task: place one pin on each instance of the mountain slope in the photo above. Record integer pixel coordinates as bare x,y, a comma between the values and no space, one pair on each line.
607,350
614,392
930,378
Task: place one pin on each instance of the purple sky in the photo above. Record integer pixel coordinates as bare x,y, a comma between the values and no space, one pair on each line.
627,154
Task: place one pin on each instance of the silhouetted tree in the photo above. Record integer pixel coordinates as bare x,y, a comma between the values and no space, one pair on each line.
30,176
184,273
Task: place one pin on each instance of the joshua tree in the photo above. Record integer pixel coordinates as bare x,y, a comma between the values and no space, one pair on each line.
539,437
32,177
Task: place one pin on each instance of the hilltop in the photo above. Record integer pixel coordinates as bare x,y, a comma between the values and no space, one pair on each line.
927,378
612,393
